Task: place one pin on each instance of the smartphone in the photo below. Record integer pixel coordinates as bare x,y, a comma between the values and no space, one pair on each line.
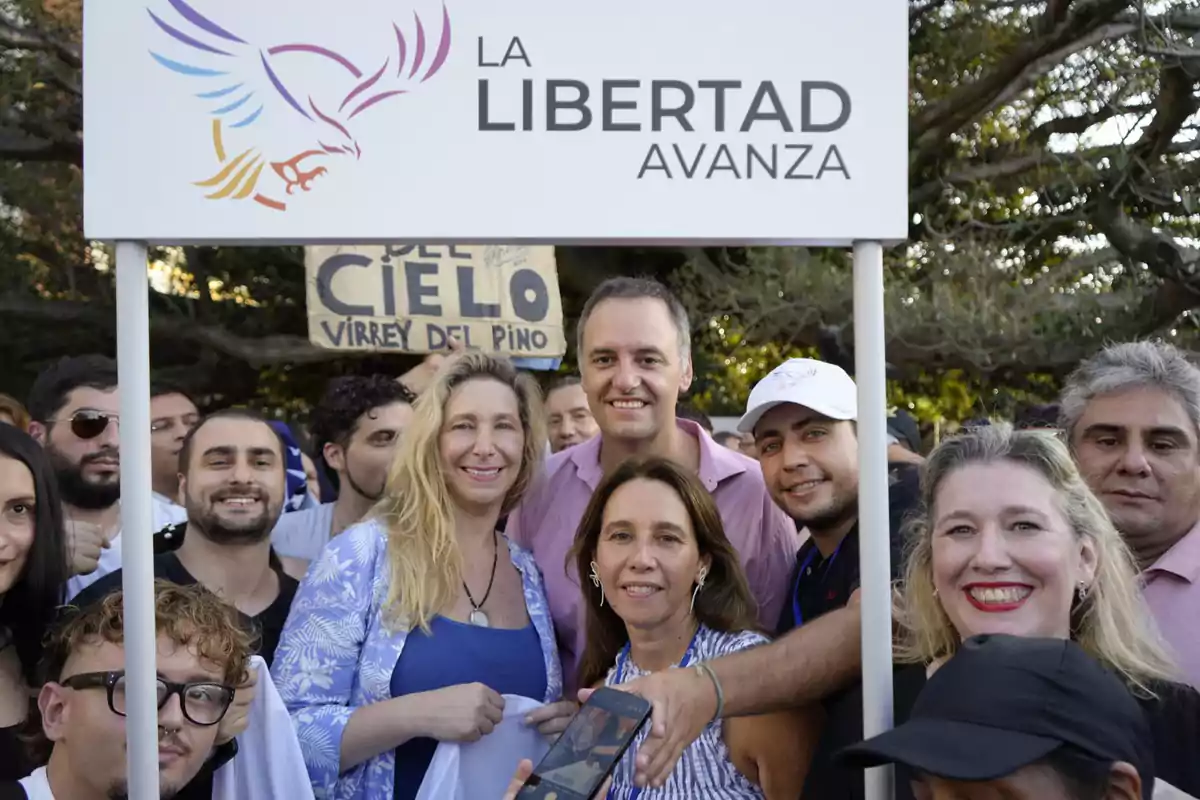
586,752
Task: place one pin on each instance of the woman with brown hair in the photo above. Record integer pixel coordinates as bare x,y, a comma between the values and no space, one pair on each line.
33,572
666,590
13,413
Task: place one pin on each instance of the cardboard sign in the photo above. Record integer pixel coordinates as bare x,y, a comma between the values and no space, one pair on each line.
414,299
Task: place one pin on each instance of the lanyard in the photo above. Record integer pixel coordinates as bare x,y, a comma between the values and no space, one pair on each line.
623,656
622,659
797,616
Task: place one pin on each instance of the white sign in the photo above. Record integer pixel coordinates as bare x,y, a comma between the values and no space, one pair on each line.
362,121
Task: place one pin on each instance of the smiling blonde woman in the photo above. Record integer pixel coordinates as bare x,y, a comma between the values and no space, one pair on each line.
413,624
1011,540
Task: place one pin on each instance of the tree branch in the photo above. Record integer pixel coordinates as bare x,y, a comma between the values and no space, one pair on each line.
1175,263
259,351
1184,20
1020,165
1175,103
15,36
16,146
1089,26
1054,14
1080,124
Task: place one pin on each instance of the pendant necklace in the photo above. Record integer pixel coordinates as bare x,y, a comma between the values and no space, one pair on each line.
477,616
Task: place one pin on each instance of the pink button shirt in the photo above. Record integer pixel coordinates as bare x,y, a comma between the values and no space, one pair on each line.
549,516
1172,590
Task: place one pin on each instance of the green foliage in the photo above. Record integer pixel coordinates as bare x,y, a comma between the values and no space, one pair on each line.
726,367
1044,224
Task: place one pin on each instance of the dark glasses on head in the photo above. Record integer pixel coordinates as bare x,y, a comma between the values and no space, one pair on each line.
89,424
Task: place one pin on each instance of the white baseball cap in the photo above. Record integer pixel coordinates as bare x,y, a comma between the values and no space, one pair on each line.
825,388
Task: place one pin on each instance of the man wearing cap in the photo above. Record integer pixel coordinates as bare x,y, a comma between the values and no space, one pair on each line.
802,416
1020,719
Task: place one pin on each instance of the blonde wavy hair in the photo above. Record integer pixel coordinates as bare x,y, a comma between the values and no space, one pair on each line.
417,507
1111,623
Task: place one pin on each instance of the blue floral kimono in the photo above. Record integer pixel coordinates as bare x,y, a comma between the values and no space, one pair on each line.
335,655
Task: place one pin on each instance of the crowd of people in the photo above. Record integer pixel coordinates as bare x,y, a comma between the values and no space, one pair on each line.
435,548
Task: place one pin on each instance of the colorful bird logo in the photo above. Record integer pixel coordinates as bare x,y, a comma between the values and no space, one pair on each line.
241,80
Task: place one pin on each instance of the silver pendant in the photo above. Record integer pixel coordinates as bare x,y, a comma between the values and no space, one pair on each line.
479,619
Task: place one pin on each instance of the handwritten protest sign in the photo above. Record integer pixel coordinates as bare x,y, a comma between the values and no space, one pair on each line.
414,299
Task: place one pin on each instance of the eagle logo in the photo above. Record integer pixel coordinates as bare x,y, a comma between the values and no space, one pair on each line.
240,82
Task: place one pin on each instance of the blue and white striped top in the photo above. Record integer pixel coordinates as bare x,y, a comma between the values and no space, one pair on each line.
705,769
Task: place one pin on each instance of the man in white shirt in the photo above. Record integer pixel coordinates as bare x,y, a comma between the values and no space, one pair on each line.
172,415
203,653
74,408
356,428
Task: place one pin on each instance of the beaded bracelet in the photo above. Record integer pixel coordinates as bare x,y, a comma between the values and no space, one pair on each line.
705,669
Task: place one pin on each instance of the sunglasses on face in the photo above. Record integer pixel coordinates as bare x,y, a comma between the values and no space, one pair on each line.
203,703
89,424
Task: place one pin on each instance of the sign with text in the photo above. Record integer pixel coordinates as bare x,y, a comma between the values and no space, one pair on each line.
528,121
414,299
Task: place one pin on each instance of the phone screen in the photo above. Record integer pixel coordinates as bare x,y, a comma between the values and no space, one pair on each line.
587,750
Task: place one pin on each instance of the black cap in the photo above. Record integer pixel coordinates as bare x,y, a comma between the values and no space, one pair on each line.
1004,702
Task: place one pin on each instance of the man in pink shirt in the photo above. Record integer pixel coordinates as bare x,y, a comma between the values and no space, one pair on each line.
634,350
1132,417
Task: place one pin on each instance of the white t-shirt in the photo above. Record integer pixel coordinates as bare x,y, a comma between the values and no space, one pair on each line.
160,499
1165,791
37,786
303,534
162,513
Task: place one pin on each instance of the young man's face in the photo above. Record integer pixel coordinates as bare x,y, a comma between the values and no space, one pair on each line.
89,737
364,461
810,464
171,417
235,484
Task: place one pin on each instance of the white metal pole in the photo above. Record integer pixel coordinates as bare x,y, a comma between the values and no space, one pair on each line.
874,535
137,550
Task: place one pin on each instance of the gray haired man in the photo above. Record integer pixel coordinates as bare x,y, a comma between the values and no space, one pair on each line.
1131,414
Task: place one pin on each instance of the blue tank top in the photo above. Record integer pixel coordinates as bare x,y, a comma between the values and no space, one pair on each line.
507,661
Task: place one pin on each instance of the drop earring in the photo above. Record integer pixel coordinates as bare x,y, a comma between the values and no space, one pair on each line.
595,576
1082,591
699,585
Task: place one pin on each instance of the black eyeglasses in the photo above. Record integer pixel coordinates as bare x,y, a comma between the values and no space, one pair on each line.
202,703
88,424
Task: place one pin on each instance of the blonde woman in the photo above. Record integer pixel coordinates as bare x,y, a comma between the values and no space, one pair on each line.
1011,541
412,624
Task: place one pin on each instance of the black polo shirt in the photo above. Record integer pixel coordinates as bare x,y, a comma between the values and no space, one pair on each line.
819,585
268,625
